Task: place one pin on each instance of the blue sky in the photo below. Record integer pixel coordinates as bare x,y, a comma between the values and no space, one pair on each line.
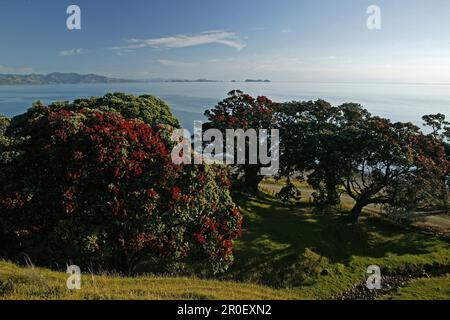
292,40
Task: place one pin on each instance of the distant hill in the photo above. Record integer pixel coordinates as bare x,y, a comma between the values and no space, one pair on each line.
57,78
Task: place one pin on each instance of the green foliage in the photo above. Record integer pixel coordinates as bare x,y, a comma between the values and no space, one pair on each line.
310,143
147,108
4,140
4,124
373,160
441,131
395,164
241,111
437,123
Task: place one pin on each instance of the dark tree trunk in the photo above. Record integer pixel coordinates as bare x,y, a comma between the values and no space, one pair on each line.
252,178
355,213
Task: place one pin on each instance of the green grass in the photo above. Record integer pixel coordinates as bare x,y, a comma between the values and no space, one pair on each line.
320,256
285,253
424,289
27,283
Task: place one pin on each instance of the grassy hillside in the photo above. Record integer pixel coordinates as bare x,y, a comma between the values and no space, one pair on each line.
28,283
285,253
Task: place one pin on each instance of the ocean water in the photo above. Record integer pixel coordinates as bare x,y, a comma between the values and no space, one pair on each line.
399,102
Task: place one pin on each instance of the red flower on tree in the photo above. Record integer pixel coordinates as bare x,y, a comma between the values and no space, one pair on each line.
108,192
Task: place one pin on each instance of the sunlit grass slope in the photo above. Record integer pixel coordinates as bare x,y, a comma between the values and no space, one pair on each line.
27,283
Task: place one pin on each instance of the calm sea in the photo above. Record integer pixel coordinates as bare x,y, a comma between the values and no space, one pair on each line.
399,102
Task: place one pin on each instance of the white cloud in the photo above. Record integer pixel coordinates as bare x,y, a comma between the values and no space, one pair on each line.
72,52
229,39
287,30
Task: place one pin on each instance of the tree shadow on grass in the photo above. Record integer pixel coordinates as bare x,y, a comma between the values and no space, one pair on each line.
276,238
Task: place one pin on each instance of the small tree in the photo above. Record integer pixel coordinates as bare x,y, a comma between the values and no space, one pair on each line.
437,123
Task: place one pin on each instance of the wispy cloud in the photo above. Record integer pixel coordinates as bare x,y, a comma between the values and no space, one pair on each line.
174,63
229,39
287,30
72,52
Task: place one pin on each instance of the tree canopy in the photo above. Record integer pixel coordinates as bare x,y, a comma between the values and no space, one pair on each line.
241,111
94,188
372,159
147,108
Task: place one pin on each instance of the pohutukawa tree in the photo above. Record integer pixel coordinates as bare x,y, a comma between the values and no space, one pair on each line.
394,164
373,160
311,148
241,111
95,189
147,108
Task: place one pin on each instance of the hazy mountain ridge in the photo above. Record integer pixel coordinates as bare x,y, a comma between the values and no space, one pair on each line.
57,78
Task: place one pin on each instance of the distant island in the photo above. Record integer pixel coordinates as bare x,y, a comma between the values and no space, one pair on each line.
57,78
259,80
187,80
251,80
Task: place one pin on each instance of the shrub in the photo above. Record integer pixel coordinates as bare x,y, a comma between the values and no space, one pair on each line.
289,192
92,188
